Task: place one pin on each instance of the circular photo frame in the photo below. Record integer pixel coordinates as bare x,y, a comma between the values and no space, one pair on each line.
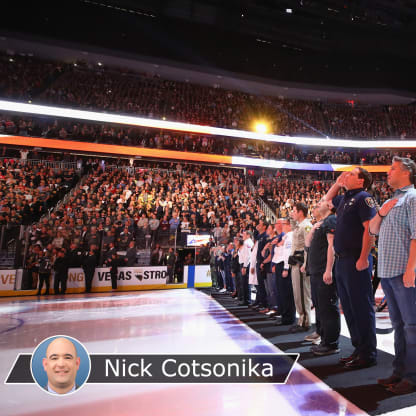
60,365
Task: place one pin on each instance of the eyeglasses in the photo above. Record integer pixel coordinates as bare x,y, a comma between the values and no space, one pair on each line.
408,163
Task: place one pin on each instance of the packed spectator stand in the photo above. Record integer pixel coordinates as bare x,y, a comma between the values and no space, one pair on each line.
117,207
122,91
151,138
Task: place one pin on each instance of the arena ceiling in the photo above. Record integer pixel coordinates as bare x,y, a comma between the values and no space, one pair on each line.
350,43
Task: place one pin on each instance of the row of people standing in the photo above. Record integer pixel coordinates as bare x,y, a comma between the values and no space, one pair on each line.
47,264
332,259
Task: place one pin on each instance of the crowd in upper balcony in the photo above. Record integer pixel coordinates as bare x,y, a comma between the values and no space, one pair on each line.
119,90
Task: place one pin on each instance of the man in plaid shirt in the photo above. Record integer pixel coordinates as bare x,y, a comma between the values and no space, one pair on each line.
395,223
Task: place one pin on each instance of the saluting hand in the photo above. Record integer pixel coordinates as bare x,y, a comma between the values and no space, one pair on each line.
387,206
341,179
409,278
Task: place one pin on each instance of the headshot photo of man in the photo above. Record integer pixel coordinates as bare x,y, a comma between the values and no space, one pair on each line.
60,365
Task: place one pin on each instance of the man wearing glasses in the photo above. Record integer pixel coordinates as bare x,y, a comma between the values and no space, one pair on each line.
395,223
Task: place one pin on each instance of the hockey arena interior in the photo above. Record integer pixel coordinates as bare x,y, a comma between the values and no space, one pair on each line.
208,208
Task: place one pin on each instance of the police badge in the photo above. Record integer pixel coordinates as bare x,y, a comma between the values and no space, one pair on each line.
370,202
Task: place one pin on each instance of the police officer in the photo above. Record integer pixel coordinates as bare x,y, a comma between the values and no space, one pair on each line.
300,281
353,263
324,293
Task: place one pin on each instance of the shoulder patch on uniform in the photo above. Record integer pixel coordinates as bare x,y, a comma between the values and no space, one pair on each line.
370,202
308,228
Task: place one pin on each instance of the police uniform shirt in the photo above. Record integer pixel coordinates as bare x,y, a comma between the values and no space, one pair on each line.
318,250
353,209
299,235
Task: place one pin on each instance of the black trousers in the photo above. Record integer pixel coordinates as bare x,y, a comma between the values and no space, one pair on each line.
326,310
237,282
285,298
44,277
261,297
315,285
245,297
60,280
89,275
114,280
220,278
170,271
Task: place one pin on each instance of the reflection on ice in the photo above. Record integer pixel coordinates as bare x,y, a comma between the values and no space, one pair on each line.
158,322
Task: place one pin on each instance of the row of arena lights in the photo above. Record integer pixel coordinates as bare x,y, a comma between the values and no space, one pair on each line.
260,132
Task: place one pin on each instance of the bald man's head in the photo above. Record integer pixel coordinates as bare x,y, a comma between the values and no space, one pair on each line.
61,365
61,343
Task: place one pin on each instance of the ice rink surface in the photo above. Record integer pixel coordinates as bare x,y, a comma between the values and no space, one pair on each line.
153,322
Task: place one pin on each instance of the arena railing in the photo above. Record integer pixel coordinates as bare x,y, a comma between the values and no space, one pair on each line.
11,252
268,212
53,164
137,169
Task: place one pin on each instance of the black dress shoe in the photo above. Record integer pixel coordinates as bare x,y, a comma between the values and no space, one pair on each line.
358,363
389,381
402,387
344,360
243,303
299,328
283,323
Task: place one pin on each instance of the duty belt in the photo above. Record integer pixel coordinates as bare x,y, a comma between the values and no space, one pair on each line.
349,253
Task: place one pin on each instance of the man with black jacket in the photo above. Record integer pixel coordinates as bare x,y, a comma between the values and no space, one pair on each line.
236,268
262,239
61,273
320,263
170,262
74,256
114,263
158,257
131,254
45,267
89,263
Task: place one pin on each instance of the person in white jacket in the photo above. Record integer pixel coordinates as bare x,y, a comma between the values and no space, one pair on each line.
245,258
252,277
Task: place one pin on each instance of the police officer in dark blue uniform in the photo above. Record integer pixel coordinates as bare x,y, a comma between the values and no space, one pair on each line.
353,263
